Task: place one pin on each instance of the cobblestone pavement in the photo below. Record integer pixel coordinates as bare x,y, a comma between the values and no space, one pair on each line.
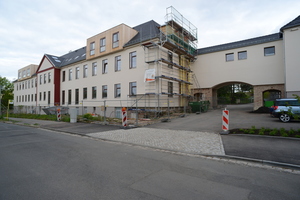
175,140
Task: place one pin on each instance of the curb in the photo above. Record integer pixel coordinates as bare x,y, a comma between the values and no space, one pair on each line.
263,162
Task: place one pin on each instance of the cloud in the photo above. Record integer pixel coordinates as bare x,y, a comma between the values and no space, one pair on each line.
29,29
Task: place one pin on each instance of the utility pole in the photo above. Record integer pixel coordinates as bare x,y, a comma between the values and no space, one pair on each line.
0,101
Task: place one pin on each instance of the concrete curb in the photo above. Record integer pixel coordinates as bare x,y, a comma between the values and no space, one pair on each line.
263,162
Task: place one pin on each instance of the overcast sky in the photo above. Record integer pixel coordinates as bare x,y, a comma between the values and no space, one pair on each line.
31,28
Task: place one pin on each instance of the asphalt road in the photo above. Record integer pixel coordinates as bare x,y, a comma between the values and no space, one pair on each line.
40,164
239,117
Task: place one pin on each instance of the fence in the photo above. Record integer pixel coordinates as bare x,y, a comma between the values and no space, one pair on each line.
140,109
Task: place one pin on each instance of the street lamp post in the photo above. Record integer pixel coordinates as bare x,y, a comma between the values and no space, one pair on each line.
0,100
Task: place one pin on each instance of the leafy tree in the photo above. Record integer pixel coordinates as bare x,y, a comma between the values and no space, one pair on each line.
7,88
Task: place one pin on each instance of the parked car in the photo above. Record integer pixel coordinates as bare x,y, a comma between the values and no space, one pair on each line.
286,109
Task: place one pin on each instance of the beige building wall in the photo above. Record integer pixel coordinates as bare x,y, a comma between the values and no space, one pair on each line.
292,60
212,69
125,34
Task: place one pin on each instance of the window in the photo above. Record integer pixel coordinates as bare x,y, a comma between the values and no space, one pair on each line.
269,51
63,96
117,90
132,88
44,96
70,74
84,93
76,96
118,63
40,96
49,77
63,76
69,97
104,66
242,55
41,80
24,73
32,83
20,75
49,97
132,60
92,48
229,57
31,97
45,78
102,44
94,92
104,91
85,69
28,72
94,69
115,40
170,58
77,73
170,89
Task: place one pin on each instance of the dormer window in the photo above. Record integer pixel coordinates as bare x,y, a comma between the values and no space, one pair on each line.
102,44
92,48
115,40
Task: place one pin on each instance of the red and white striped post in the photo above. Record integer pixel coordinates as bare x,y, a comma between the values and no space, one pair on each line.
124,117
225,121
58,114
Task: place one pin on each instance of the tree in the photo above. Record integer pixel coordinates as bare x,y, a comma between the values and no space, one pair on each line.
7,89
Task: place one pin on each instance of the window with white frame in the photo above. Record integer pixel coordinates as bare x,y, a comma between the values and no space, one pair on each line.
63,76
85,71
77,96
45,78
118,63
77,73
115,40
170,89
49,77
132,60
70,74
104,66
94,92
63,96
102,44
132,88
117,90
84,93
94,69
104,91
41,79
92,48
69,97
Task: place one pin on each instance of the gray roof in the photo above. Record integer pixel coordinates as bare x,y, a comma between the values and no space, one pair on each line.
146,31
69,58
242,43
294,23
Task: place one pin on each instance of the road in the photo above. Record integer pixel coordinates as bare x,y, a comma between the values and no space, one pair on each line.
239,117
41,164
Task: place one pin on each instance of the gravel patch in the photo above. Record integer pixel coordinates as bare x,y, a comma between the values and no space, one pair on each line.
175,140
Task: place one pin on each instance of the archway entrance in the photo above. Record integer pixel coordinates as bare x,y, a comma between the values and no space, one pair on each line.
269,96
234,93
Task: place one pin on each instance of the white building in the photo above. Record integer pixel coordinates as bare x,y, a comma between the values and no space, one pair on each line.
154,66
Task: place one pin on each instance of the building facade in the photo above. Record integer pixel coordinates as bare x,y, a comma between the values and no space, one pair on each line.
153,66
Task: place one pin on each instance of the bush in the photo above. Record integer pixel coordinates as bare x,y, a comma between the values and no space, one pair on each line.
88,116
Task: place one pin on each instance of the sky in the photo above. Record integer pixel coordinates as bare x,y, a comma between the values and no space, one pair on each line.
31,28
